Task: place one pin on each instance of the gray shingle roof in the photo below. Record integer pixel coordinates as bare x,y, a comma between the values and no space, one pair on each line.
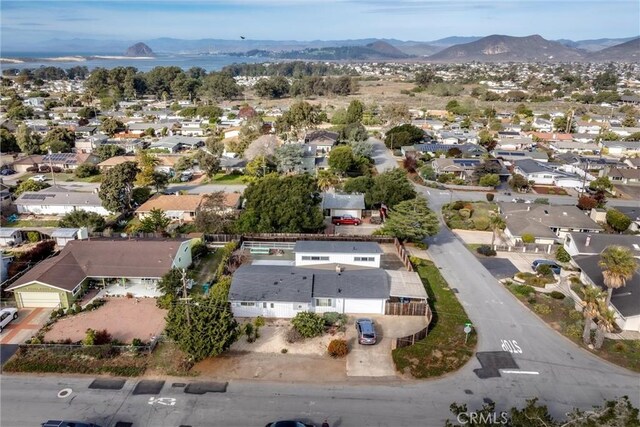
599,241
625,299
342,201
317,246
58,196
539,219
8,232
299,284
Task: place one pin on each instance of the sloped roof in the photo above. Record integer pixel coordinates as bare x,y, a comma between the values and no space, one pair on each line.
342,201
103,258
539,219
318,246
172,202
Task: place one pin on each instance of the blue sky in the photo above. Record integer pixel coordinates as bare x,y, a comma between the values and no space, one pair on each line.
25,22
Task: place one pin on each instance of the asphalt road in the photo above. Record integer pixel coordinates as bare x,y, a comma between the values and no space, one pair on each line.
382,157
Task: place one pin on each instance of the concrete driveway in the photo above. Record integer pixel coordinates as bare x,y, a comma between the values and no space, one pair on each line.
375,360
29,321
522,261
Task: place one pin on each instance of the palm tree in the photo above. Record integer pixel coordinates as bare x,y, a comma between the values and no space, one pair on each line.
592,297
327,180
606,323
618,265
496,222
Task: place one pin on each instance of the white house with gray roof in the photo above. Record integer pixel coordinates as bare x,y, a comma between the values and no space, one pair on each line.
363,254
59,200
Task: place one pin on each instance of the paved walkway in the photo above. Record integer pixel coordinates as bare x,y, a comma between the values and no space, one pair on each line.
29,321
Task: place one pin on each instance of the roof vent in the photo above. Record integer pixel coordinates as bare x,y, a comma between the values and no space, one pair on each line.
588,240
339,290
304,277
564,213
339,269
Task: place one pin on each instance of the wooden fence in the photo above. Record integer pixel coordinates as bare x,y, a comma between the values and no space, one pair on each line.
406,309
403,254
412,339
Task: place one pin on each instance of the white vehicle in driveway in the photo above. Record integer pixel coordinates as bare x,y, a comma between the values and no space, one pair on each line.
6,316
39,178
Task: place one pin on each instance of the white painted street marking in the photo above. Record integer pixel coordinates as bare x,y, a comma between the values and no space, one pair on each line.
166,401
64,393
511,346
520,372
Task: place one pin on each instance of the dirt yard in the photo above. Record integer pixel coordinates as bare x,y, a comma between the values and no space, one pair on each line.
124,318
273,338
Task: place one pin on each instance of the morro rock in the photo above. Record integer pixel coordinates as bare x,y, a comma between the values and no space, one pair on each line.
139,49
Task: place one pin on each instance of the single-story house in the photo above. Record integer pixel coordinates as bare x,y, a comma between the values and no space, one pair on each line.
58,200
545,174
21,164
513,143
334,204
621,148
311,252
69,161
184,207
574,147
10,236
115,161
624,176
323,140
466,150
91,143
594,244
236,164
547,223
513,155
461,168
59,281
625,300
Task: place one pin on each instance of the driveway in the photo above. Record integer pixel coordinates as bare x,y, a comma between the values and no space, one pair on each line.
375,360
500,268
29,321
522,261
382,157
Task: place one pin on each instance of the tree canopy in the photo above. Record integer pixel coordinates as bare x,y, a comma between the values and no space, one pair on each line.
212,217
403,135
411,220
79,218
287,204
59,140
117,187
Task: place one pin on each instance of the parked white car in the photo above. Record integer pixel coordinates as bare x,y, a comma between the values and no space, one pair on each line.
39,178
6,316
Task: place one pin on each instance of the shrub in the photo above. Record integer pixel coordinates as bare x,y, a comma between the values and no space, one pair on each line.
137,342
486,250
481,223
32,169
44,169
562,255
86,170
284,351
421,245
338,348
620,347
542,308
557,295
544,270
248,331
56,169
33,236
102,337
523,290
532,300
294,336
617,220
574,330
333,318
198,250
490,197
308,324
259,322
528,238
575,315
542,200
464,213
457,205
90,337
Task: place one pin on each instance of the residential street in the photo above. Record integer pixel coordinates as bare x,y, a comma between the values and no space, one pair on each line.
382,157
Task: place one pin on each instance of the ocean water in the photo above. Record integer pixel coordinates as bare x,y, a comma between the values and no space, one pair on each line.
206,61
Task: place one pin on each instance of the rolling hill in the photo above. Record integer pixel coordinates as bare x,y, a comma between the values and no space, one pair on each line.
500,48
624,52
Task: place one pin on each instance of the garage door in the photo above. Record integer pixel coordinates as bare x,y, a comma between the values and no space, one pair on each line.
40,299
364,306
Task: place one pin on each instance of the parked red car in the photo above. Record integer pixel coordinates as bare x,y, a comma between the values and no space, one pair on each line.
345,220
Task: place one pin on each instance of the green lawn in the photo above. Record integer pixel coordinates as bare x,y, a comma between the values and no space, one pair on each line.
62,177
31,223
444,349
222,178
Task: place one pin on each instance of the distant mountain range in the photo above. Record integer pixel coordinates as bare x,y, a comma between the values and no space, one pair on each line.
451,49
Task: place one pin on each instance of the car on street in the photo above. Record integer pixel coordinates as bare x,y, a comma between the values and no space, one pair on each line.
554,266
288,424
58,423
38,178
345,220
5,172
7,315
366,331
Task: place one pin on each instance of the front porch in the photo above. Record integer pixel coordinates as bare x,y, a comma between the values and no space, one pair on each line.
136,288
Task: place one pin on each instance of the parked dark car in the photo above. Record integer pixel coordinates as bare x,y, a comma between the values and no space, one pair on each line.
288,424
366,332
554,266
56,423
5,172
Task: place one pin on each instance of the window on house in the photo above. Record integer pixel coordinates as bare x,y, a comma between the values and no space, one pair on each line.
364,258
247,304
264,305
76,290
315,258
324,302
272,305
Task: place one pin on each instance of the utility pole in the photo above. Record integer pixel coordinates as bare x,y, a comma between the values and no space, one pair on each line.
53,177
184,295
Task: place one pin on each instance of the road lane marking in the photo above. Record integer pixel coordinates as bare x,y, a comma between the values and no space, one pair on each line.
511,346
520,372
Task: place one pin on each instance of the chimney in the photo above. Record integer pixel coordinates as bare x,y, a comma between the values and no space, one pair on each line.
588,240
338,269
528,208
